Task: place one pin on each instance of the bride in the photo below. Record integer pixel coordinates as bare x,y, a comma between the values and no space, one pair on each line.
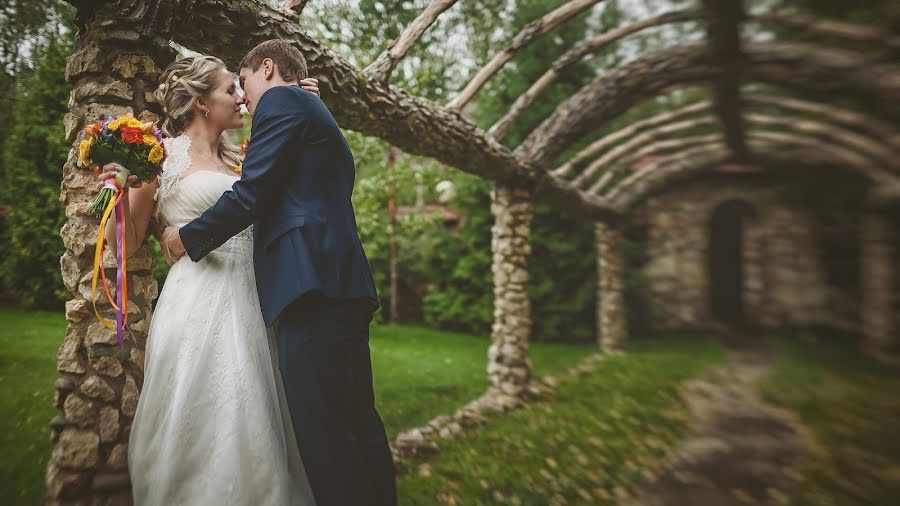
212,425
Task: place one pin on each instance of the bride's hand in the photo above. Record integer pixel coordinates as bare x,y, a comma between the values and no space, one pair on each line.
109,172
171,244
311,84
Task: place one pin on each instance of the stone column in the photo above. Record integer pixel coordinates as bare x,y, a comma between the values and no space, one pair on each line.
878,262
611,325
113,70
509,369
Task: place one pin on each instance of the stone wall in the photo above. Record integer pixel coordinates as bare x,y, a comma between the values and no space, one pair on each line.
895,227
784,279
880,292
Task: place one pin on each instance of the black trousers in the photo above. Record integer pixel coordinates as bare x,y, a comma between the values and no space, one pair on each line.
323,347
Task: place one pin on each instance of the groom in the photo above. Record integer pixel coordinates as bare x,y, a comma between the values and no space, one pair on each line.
312,275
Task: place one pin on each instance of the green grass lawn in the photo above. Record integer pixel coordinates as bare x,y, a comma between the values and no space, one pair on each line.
594,438
28,344
419,374
591,439
851,405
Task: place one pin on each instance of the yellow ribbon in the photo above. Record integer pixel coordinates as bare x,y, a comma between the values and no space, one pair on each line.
98,260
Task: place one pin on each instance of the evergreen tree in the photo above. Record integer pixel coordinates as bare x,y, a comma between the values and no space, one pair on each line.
34,153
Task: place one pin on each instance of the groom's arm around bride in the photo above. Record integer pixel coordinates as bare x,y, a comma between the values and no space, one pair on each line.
312,275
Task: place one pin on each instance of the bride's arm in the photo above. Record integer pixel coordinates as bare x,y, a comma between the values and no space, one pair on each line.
139,205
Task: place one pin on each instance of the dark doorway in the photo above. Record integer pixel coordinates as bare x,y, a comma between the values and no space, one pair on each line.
726,265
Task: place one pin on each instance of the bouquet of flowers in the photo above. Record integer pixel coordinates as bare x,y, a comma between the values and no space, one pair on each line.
125,141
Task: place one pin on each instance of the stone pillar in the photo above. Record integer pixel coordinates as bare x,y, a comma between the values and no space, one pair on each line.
878,262
612,328
113,70
509,369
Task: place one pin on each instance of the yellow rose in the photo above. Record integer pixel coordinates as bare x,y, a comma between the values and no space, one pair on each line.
156,154
134,123
150,140
115,124
147,127
84,152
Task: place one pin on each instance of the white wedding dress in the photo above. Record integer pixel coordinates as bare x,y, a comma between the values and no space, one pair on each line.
212,426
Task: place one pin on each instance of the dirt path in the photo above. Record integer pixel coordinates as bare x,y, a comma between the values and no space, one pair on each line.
739,451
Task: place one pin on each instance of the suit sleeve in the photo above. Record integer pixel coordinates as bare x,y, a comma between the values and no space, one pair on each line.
278,122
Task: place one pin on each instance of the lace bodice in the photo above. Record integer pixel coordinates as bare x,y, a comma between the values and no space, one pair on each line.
184,194
178,160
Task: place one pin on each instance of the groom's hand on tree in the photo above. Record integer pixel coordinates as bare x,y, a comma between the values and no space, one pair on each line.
172,247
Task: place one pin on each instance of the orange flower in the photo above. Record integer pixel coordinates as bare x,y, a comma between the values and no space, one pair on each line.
92,130
244,145
132,135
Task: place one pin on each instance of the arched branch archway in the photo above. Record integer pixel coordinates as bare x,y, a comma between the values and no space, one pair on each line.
796,67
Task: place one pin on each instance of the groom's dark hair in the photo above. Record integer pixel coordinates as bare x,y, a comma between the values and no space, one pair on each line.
290,62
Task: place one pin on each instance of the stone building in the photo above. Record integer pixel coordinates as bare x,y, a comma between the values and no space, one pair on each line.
747,251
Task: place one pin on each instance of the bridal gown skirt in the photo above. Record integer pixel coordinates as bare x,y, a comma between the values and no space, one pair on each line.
212,426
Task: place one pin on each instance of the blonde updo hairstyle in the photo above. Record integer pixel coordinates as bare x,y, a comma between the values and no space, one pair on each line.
180,84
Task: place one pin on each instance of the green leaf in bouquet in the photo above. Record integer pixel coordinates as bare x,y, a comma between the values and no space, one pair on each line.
131,156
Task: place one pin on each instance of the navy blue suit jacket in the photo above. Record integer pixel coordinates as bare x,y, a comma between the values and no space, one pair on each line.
295,189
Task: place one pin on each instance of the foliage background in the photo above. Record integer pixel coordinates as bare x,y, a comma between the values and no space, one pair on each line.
35,97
